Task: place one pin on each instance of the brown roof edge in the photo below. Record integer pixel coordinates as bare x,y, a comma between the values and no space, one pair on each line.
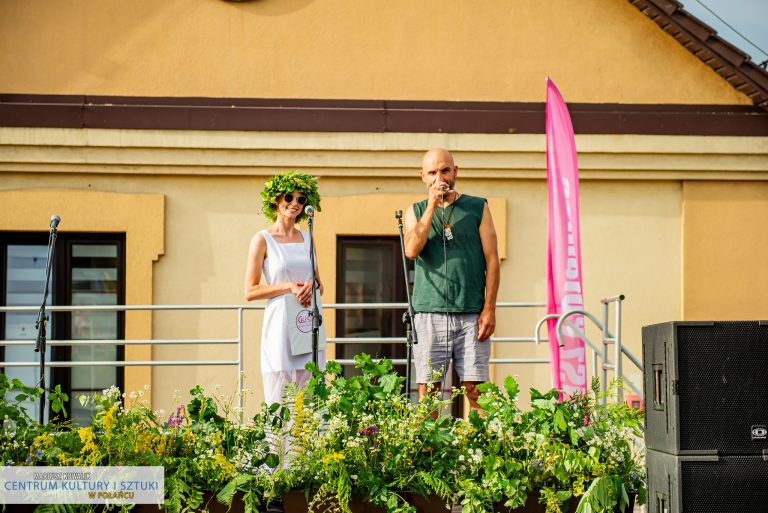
697,37
318,115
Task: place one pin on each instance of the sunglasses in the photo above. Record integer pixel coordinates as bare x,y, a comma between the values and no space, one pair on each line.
301,200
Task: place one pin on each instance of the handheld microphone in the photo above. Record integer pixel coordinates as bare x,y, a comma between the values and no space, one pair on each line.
55,221
309,210
442,188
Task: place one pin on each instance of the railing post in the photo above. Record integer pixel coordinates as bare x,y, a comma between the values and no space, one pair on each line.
241,400
617,350
605,336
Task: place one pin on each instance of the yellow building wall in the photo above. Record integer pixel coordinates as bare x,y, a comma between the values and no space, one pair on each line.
635,207
83,209
663,220
725,243
599,51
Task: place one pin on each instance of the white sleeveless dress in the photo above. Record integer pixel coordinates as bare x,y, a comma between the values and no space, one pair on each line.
284,262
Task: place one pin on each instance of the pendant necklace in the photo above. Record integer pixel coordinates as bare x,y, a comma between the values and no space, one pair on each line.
447,233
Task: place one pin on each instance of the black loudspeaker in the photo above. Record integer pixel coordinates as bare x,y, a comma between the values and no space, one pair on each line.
707,484
706,389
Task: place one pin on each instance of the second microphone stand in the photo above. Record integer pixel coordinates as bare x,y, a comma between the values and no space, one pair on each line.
42,317
317,319
410,331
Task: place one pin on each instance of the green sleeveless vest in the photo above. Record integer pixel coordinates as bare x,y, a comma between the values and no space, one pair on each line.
466,260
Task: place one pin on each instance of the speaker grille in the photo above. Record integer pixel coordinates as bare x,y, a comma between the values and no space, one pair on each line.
723,386
736,484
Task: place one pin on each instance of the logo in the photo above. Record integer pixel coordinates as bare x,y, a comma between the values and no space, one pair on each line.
304,321
759,433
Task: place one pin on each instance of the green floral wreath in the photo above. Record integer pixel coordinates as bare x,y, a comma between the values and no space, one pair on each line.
284,183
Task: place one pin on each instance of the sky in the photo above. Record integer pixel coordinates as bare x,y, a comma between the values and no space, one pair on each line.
749,17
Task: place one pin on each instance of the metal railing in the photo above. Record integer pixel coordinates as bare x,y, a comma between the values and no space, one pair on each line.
401,340
607,337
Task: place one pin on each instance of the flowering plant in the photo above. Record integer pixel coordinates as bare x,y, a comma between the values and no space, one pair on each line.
582,447
362,435
201,445
18,429
213,449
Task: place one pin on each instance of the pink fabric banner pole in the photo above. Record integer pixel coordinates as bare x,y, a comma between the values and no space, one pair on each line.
564,289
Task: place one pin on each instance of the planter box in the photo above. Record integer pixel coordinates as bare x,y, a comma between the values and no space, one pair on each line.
428,504
296,502
19,508
210,504
532,505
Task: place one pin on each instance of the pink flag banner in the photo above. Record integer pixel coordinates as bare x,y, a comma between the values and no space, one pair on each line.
564,290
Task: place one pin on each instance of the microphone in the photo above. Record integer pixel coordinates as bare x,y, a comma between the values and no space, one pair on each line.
309,210
442,188
55,221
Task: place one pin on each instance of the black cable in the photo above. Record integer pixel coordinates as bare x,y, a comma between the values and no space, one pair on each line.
445,293
730,27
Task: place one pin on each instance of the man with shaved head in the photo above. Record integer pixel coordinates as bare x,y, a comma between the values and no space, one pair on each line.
452,238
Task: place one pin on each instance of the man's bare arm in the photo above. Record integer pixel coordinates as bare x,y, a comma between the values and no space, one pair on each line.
416,231
487,321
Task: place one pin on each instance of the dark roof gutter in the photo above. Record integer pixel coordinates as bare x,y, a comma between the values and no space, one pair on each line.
371,115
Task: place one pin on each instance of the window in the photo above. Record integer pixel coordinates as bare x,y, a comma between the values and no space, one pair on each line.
88,269
370,270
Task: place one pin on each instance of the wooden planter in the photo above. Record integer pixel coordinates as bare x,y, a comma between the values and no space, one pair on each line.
296,502
210,504
428,504
20,508
532,505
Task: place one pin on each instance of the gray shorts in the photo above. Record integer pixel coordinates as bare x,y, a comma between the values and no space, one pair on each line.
470,356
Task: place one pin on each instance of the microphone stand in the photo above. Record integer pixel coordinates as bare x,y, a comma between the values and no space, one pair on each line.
448,359
42,317
317,319
410,332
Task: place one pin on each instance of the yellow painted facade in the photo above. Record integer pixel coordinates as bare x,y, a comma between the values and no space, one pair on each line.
635,206
725,272
595,50
674,223
140,216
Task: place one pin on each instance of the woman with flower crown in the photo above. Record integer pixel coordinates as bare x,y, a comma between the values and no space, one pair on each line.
279,270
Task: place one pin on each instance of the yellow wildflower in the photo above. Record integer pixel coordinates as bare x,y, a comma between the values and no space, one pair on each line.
225,466
333,457
155,443
300,415
89,450
298,402
40,443
43,441
187,442
108,419
578,486
599,469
